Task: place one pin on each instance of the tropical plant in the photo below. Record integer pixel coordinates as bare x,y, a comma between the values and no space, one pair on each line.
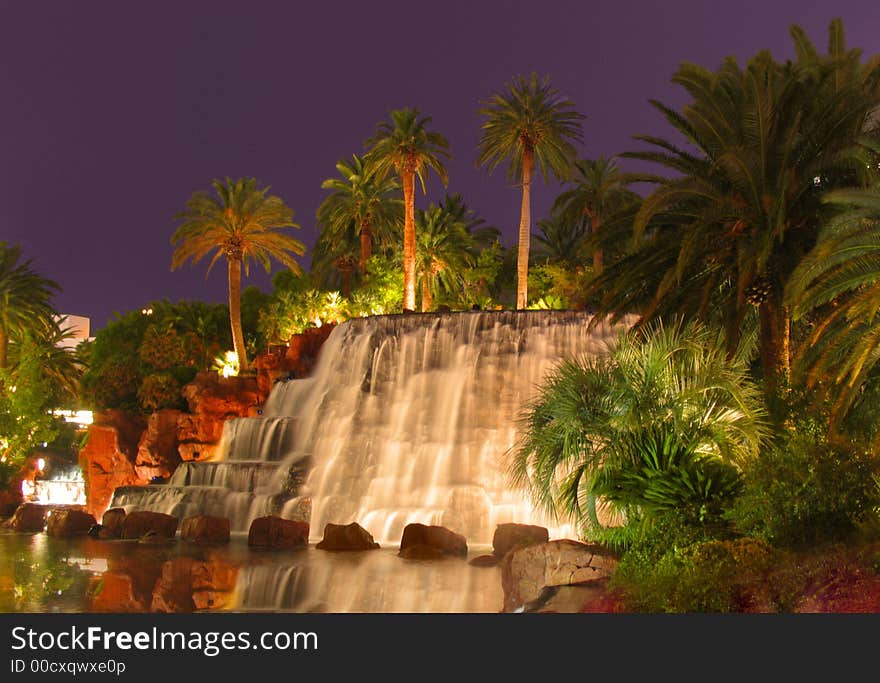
336,259
663,421
719,238
529,123
241,223
599,189
406,146
363,203
25,298
837,289
559,240
443,252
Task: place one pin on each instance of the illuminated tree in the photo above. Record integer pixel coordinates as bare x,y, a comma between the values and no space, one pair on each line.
528,124
242,222
407,147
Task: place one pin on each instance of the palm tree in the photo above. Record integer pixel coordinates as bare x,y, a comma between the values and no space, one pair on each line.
406,146
444,249
336,256
720,236
599,189
25,299
530,123
364,201
242,222
559,239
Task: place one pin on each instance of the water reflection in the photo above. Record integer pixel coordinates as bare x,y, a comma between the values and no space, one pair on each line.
39,573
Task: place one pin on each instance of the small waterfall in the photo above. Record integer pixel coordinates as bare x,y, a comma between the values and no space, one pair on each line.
254,469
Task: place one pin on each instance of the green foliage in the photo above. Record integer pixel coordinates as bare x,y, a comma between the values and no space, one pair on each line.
382,290
675,569
25,299
663,421
808,489
176,340
160,390
25,402
738,206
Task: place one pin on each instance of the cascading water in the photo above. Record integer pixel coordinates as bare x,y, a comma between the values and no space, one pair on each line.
410,418
242,484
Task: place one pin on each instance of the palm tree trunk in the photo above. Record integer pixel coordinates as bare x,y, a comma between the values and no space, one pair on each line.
4,348
598,255
234,270
427,299
409,242
366,245
525,219
775,344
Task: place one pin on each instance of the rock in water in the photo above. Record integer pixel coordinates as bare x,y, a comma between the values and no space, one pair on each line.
421,542
138,523
527,571
276,532
346,537
205,529
69,523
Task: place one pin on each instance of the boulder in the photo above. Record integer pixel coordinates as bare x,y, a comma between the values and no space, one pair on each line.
527,571
140,522
205,529
276,532
198,436
111,523
422,542
69,523
509,535
346,537
484,561
157,454
107,459
28,517
221,397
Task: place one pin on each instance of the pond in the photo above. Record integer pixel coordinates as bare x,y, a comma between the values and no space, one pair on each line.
40,573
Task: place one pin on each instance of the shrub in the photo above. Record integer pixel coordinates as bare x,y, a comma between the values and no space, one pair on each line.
160,390
808,490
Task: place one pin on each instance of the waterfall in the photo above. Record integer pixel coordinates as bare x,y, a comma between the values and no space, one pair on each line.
406,418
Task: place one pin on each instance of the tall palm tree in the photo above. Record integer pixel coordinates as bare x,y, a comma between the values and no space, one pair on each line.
406,146
242,222
25,299
361,199
599,189
444,249
530,123
559,239
722,233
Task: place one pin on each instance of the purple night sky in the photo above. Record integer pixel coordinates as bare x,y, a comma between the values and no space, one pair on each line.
114,112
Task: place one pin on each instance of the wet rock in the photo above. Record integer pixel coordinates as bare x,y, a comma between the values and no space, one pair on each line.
111,523
69,523
28,518
276,532
138,523
186,584
95,531
157,454
484,561
107,459
527,571
422,542
509,535
346,537
205,529
593,597
155,538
